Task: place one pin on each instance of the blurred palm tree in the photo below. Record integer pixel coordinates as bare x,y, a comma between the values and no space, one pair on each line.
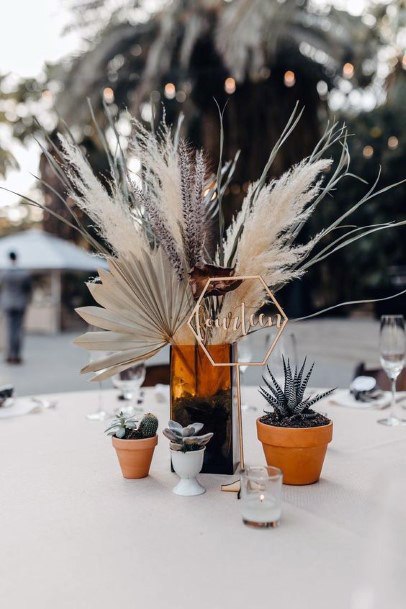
375,266
259,55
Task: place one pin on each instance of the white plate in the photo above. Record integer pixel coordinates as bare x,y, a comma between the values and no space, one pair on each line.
20,406
342,397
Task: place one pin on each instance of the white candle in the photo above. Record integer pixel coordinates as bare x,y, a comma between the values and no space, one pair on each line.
260,509
261,499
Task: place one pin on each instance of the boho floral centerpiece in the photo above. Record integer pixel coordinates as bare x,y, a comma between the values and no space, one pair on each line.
294,437
164,235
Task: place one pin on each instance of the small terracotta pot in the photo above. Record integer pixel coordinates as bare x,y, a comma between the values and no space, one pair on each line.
298,452
135,456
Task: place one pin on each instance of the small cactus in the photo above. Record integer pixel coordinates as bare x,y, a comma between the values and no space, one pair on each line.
148,426
125,427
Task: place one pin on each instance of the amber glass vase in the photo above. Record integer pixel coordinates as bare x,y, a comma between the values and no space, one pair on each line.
201,392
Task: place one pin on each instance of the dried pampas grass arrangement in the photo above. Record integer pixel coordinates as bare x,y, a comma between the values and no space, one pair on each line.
158,228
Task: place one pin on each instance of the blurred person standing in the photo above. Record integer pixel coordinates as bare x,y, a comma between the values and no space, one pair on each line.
15,294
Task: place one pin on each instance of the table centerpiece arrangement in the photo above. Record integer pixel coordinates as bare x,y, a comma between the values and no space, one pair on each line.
164,237
294,437
134,443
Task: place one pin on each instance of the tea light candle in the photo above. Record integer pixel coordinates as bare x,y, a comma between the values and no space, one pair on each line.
261,502
260,510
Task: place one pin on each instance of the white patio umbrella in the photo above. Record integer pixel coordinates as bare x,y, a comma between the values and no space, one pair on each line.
40,252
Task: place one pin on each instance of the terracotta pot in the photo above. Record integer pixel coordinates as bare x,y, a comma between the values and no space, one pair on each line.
298,452
135,456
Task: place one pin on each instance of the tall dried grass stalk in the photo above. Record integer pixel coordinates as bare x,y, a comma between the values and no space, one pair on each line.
264,247
109,212
160,174
159,230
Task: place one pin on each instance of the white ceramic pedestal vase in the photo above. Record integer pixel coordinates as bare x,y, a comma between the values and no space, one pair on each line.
187,465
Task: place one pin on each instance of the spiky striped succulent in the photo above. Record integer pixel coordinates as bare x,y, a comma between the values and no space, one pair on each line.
185,438
290,407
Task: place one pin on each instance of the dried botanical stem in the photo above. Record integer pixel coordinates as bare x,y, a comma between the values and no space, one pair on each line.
159,229
161,232
192,178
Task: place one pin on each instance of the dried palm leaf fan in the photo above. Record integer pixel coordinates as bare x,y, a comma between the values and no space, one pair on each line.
158,229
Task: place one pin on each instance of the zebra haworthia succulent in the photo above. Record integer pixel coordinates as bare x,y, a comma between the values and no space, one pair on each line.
290,407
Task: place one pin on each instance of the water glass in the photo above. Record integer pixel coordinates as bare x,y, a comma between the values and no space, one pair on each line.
261,496
129,382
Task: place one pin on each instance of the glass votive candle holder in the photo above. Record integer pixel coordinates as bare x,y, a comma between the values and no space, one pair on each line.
261,496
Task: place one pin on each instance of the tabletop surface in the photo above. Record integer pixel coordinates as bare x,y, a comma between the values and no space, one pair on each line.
74,534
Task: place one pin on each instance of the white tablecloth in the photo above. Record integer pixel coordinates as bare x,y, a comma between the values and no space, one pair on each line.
75,535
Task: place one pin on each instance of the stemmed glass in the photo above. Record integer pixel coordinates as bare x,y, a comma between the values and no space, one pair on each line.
245,354
100,414
392,349
129,382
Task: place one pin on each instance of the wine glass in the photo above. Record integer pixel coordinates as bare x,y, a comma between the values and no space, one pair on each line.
100,414
129,382
245,354
392,350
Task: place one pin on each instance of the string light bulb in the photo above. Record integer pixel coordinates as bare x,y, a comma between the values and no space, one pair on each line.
368,152
289,78
169,90
322,88
348,70
229,85
393,142
376,132
108,95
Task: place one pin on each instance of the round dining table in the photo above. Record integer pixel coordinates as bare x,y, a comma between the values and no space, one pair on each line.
74,534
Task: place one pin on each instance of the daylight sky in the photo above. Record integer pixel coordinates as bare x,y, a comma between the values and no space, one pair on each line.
30,34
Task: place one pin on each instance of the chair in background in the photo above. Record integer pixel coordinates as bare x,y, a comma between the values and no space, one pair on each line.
159,373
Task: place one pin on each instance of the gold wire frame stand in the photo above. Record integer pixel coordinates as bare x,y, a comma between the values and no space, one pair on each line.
236,485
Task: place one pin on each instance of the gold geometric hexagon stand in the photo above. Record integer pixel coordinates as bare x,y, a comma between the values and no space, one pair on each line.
194,325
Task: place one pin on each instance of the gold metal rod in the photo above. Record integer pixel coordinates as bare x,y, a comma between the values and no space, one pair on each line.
239,415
